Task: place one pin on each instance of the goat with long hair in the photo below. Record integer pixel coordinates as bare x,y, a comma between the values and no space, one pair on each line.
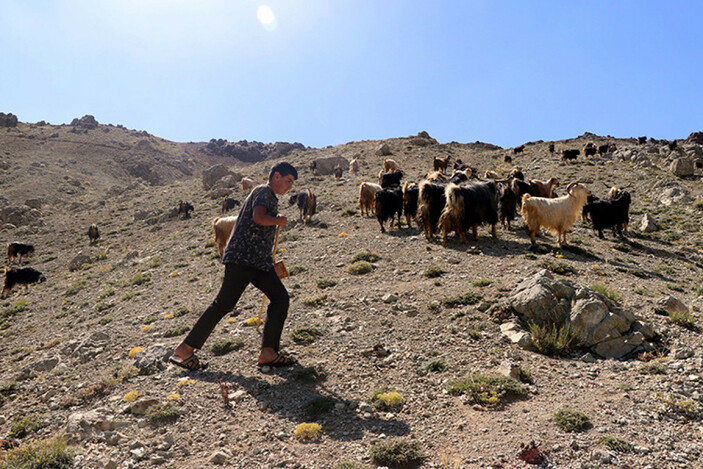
557,215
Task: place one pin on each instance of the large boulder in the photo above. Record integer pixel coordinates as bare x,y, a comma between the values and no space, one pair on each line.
214,174
224,186
8,120
682,167
600,325
383,150
542,300
672,305
326,164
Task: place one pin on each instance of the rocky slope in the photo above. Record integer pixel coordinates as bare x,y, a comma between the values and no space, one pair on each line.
66,342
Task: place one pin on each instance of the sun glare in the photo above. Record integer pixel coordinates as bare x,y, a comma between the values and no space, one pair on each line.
265,15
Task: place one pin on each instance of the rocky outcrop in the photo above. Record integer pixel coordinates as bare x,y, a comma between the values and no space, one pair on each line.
8,120
214,174
600,325
86,122
252,152
383,150
326,164
19,215
695,137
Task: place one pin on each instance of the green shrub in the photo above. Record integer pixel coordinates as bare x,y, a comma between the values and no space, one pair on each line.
181,311
436,366
433,272
365,255
360,268
162,413
489,391
652,368
23,426
609,293
558,267
387,399
40,454
226,346
8,387
325,283
318,406
469,298
305,335
107,292
683,319
675,287
484,282
349,212
571,420
101,307
296,269
318,300
139,278
75,287
615,443
396,453
673,405
553,340
176,331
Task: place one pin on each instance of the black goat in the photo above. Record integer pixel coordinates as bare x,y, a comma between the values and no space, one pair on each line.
521,188
228,203
388,203
469,206
570,154
391,178
507,204
431,201
613,213
410,196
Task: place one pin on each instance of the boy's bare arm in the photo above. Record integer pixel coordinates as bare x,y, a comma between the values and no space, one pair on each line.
261,217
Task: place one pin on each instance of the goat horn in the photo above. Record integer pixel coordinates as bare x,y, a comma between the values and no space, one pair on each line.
570,186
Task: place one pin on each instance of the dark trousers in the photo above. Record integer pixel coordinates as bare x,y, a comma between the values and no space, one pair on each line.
237,277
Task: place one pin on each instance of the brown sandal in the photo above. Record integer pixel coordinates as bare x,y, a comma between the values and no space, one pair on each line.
191,363
279,361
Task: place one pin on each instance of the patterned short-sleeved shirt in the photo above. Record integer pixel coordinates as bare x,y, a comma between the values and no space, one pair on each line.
251,244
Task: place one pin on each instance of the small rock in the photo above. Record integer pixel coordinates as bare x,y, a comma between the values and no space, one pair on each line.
648,225
588,358
389,298
220,457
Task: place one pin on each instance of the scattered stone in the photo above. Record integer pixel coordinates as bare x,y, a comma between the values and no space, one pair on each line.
219,457
509,370
516,334
140,406
648,225
79,261
674,195
588,358
46,364
671,305
83,426
153,359
682,167
383,150
389,298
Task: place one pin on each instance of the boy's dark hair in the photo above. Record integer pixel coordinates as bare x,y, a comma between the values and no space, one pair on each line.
284,169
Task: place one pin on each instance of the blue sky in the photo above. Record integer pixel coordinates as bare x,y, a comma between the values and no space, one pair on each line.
326,72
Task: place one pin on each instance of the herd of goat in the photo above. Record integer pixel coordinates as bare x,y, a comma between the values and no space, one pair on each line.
463,201
437,203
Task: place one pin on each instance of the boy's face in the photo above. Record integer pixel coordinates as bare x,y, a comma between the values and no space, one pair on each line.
281,184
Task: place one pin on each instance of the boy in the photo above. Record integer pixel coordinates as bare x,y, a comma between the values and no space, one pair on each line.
248,259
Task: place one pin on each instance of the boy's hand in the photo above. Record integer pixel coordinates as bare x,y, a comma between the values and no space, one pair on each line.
281,220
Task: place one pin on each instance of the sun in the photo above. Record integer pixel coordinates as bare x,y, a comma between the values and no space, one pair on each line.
265,15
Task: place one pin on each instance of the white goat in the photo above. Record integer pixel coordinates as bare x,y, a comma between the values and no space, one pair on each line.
557,215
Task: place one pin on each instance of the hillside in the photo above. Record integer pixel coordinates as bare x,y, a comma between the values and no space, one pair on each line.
66,341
